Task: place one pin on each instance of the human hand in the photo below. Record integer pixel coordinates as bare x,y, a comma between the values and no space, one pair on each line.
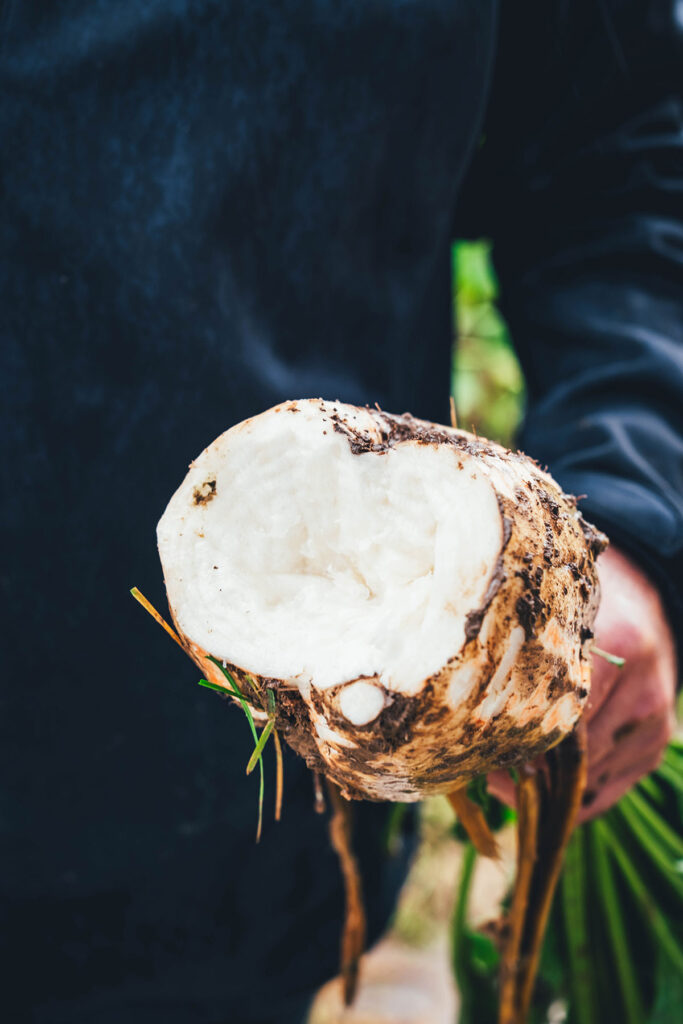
630,711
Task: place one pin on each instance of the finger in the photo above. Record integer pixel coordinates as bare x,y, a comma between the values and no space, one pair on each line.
596,801
501,786
604,678
617,628
639,695
633,742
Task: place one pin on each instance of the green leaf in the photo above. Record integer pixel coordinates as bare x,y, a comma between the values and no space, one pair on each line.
237,693
252,726
669,994
271,702
228,675
668,943
483,952
656,824
496,813
466,873
649,786
473,270
258,749
649,843
614,923
224,690
674,749
669,771
458,934
573,890
488,383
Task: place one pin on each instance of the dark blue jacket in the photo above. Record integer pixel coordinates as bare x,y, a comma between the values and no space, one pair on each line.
209,207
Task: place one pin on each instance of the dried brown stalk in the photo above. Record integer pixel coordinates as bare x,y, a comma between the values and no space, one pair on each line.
562,800
472,819
527,830
353,934
279,775
149,607
454,415
547,812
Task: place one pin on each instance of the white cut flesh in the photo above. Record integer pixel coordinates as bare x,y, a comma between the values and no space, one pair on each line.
418,601
287,554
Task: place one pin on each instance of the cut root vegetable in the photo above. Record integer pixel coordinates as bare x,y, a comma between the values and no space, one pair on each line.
409,606
419,600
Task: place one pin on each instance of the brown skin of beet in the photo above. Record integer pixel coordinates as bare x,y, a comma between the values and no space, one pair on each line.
544,582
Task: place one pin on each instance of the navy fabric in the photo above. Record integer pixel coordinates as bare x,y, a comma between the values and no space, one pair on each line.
209,207
580,184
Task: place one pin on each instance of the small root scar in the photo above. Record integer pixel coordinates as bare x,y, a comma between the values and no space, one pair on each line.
203,494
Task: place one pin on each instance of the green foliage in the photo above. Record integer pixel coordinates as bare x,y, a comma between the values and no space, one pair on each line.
614,946
233,690
259,742
495,812
393,828
487,381
475,956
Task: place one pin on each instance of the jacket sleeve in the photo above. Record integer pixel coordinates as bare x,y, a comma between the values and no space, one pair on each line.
586,164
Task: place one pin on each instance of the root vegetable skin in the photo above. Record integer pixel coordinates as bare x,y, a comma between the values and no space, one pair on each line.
421,600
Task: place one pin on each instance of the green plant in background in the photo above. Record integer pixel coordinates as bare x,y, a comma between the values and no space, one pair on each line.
487,380
614,946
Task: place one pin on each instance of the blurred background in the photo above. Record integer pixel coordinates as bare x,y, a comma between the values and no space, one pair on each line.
488,385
